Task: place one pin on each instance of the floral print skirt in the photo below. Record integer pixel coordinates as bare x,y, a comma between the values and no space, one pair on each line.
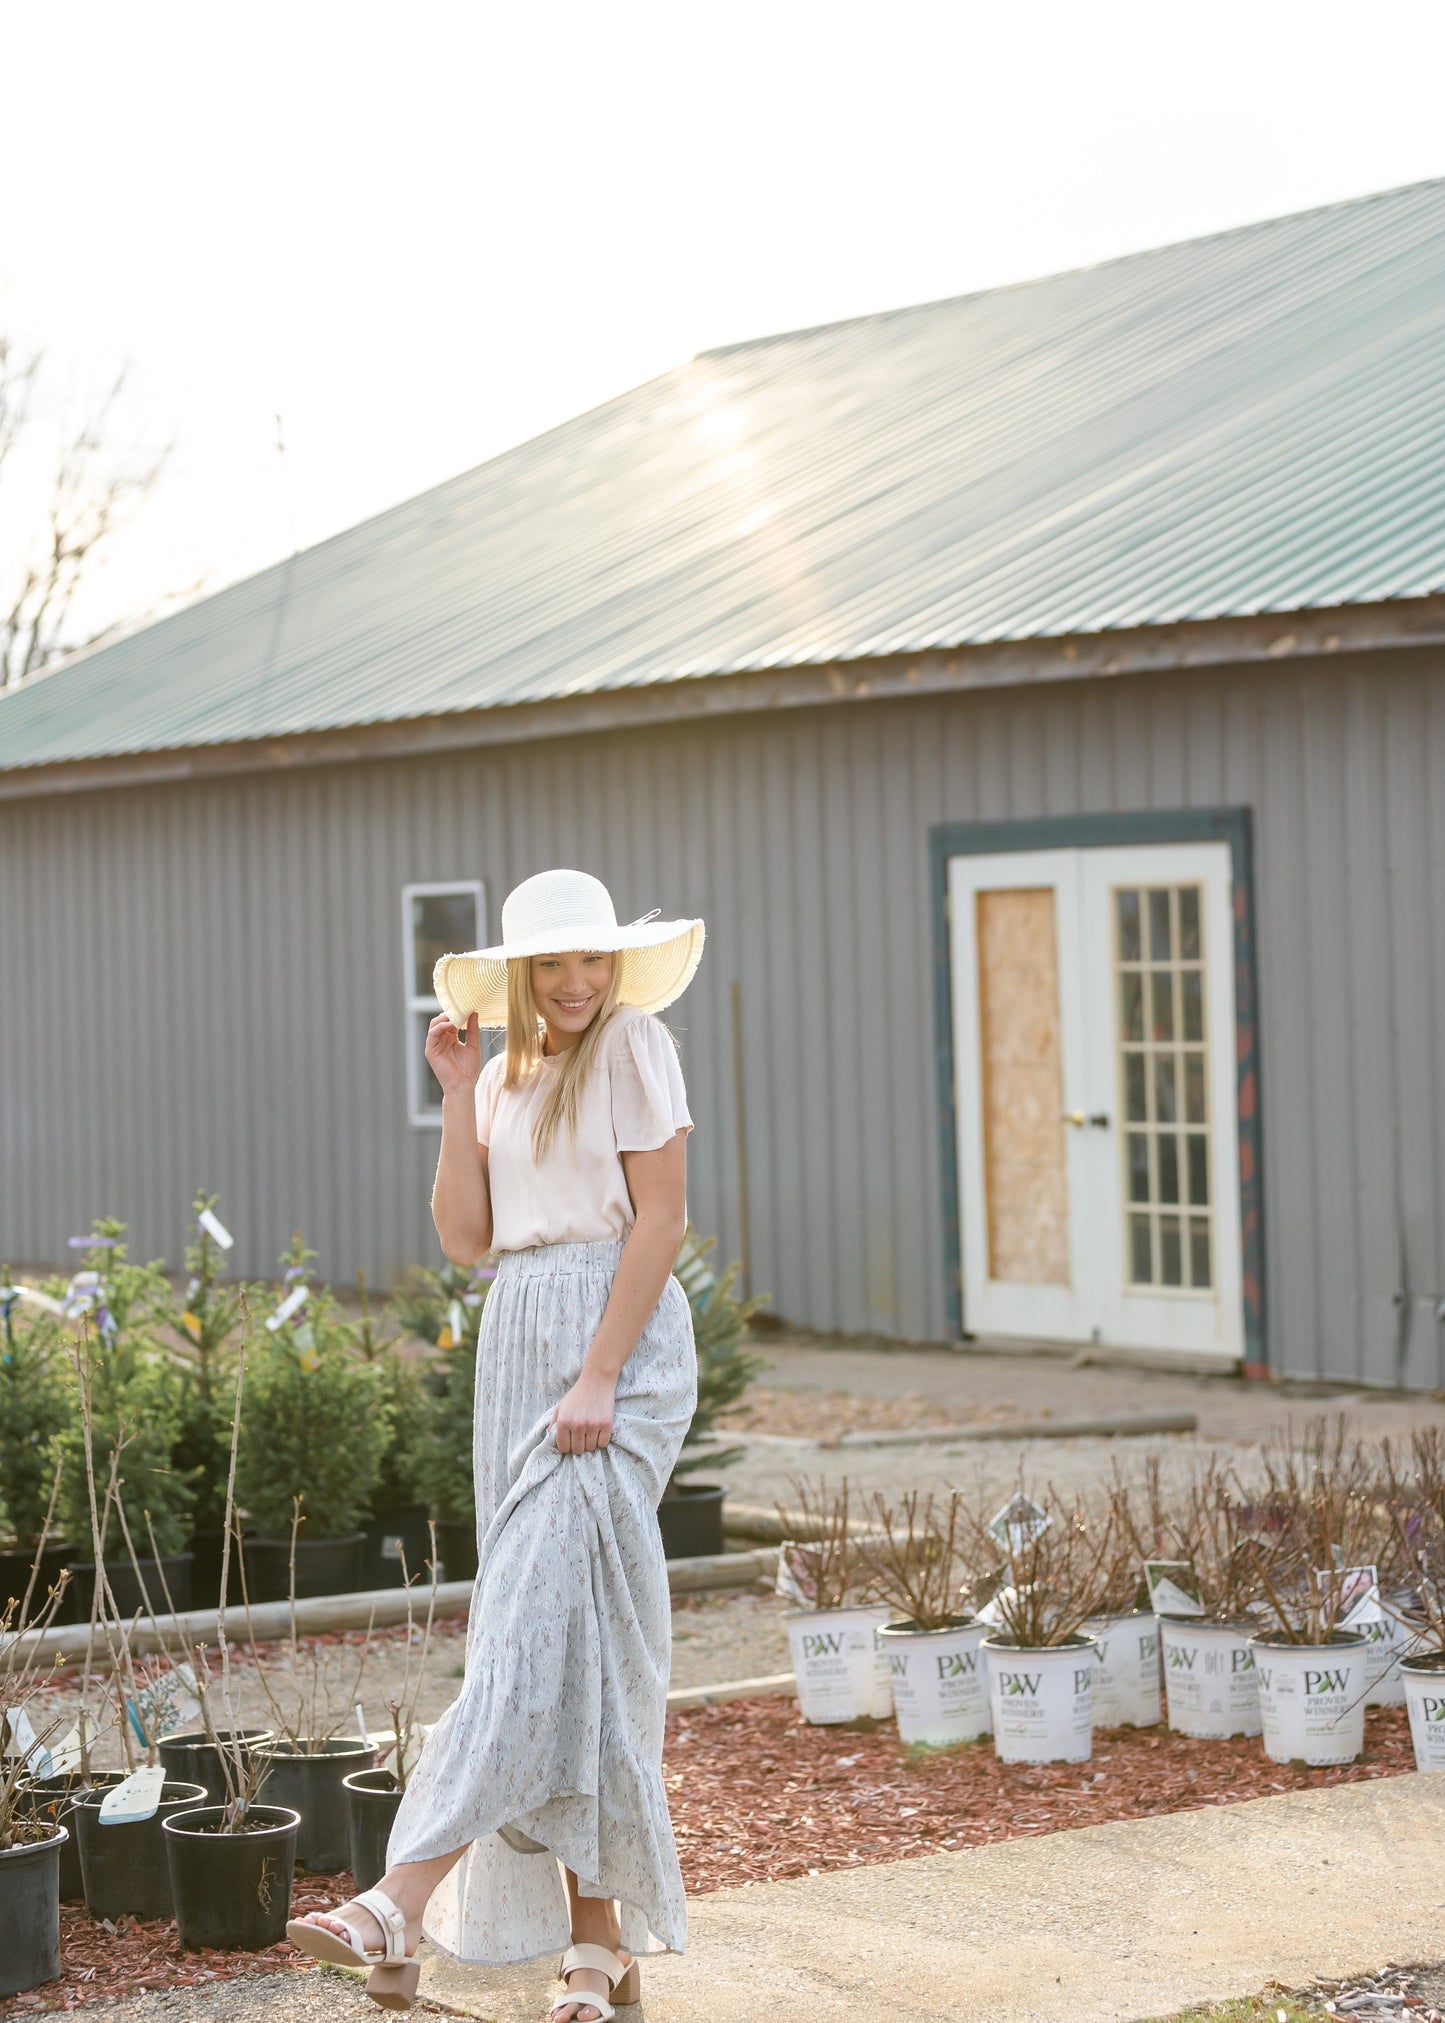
556,1734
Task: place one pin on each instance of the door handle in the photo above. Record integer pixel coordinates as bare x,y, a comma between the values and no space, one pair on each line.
1078,1118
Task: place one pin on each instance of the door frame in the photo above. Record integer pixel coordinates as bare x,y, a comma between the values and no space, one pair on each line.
1232,825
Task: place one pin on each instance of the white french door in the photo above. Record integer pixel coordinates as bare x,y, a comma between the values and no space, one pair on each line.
1094,1049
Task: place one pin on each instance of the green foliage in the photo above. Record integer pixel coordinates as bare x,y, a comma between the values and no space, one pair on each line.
724,1366
444,1307
204,1321
134,1392
398,1478
37,1404
315,1419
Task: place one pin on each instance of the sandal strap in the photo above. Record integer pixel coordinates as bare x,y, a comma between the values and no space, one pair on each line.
598,1959
583,2000
391,1919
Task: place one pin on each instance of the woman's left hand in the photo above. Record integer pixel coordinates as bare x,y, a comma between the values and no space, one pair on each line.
582,1422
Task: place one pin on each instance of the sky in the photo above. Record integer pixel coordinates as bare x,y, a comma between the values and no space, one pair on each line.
421,234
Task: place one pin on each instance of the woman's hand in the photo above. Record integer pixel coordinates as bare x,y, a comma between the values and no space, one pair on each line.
455,1059
583,1420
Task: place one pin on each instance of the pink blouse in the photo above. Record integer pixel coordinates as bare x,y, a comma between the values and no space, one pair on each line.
633,1101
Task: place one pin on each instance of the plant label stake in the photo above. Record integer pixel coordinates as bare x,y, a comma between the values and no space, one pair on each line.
1173,1587
214,1227
1019,1523
164,1704
292,1304
135,1797
361,1727
59,1759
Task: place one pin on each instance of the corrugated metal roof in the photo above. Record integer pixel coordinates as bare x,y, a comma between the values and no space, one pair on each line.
1246,423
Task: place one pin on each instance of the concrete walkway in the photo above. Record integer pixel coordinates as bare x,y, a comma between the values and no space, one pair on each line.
1131,1920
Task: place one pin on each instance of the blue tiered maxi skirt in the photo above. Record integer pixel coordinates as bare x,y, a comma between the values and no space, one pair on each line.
557,1730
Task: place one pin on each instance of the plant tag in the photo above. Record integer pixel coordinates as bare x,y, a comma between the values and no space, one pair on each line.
1173,1587
794,1580
1019,1523
63,1756
164,1704
214,1227
292,1304
457,1321
42,1300
22,1735
1358,1588
192,1325
361,1728
135,1797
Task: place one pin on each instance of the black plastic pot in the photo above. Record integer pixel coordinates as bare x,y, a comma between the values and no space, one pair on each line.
55,1799
15,1565
313,1785
386,1530
691,1515
231,1890
457,1544
206,1548
190,1754
30,1914
324,1566
372,1797
125,1866
127,1589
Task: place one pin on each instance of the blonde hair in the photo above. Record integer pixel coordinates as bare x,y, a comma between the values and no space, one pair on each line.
525,1032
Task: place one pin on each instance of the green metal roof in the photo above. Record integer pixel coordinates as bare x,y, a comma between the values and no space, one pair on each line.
1252,422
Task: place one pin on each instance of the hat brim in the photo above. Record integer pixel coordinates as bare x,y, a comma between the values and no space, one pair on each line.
659,961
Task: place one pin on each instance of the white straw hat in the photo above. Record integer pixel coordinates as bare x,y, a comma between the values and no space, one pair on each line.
558,911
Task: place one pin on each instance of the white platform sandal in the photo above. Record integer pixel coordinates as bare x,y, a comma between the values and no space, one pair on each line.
624,1982
392,1982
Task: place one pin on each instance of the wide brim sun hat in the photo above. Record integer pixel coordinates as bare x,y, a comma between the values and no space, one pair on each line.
552,914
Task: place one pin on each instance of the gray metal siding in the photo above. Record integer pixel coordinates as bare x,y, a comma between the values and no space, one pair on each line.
201,984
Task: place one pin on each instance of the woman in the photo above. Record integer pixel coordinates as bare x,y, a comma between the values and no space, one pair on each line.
566,1156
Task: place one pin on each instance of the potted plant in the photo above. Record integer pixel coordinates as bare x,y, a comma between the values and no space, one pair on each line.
314,1428
36,1406
1051,1578
204,1322
1414,1498
128,1399
231,1862
1204,1586
691,1513
1127,1692
396,1524
444,1307
374,1795
1322,1566
935,1659
31,1838
842,1674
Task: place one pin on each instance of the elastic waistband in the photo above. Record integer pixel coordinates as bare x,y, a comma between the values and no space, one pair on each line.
560,1260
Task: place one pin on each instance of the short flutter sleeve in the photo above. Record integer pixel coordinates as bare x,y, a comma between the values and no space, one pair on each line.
488,1083
649,1101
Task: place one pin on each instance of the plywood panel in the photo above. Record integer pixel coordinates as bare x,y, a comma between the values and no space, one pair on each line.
1023,1133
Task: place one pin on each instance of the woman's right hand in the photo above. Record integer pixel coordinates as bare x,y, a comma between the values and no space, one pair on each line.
455,1059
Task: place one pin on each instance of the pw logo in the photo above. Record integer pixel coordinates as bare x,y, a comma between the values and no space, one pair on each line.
822,1643
1325,1682
957,1664
1026,1683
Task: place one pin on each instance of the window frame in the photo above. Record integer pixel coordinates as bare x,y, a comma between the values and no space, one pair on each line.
421,1118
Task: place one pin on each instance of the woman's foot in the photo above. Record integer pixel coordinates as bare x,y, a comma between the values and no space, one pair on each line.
574,2007
364,1926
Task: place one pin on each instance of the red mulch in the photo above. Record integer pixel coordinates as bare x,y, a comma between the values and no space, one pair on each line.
757,1795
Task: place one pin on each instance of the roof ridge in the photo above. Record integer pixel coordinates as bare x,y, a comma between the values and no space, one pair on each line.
1064,273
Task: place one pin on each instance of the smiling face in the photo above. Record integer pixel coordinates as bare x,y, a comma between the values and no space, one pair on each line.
569,990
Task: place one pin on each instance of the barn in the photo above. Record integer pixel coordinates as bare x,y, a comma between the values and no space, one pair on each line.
1041,694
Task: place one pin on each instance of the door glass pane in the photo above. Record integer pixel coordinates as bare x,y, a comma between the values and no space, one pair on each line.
429,1090
442,923
1162,993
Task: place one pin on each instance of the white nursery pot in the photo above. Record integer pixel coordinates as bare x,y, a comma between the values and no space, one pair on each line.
1209,1683
1424,1679
841,1673
1126,1670
1042,1700
939,1680
1386,1642
1312,1698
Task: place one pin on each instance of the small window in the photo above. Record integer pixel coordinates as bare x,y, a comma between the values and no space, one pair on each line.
437,920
